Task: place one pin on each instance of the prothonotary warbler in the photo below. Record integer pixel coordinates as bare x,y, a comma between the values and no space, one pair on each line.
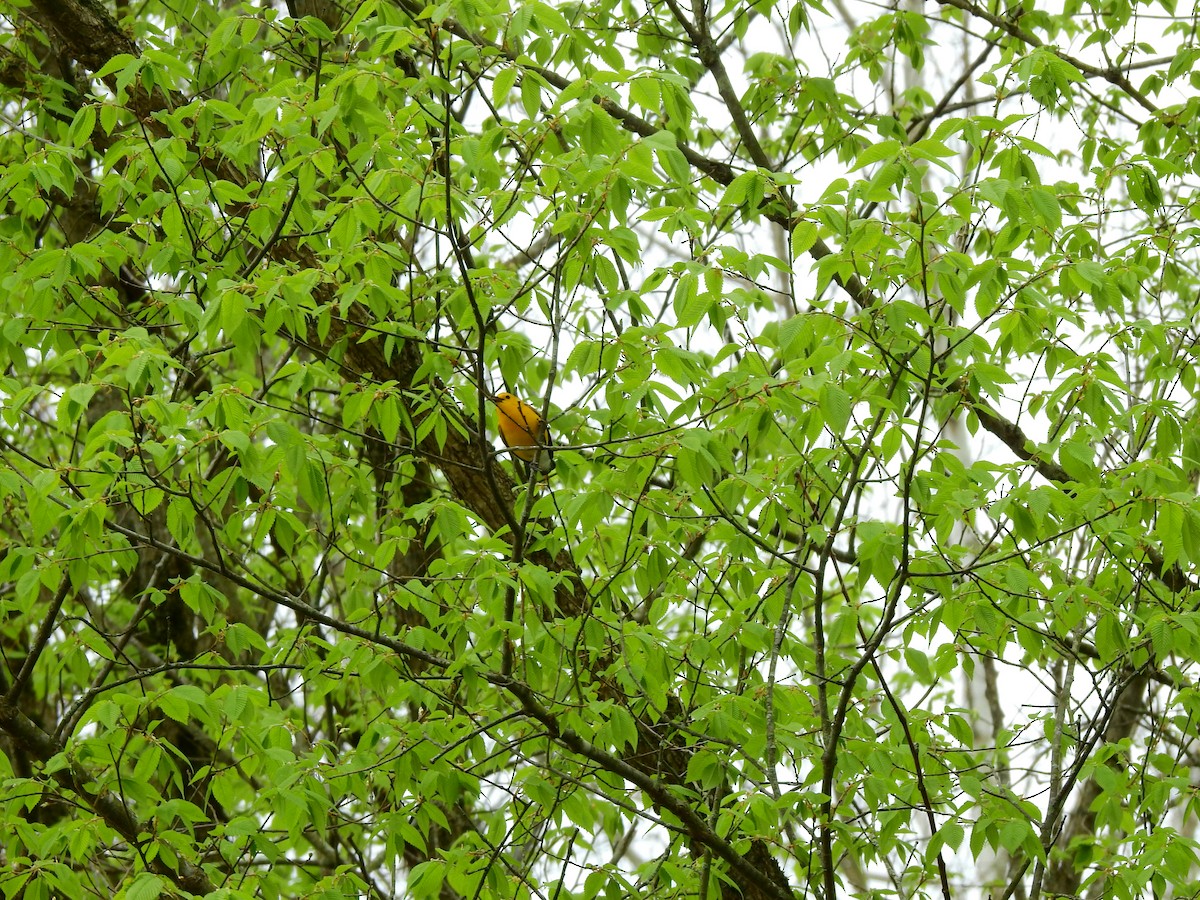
524,432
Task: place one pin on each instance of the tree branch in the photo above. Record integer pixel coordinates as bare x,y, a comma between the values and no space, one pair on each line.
34,741
1010,26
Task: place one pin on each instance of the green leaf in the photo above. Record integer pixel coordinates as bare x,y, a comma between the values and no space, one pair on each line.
878,152
835,407
145,887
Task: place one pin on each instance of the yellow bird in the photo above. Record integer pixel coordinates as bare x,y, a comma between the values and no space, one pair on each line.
524,432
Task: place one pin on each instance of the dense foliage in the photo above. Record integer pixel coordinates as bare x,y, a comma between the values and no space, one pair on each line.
867,339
